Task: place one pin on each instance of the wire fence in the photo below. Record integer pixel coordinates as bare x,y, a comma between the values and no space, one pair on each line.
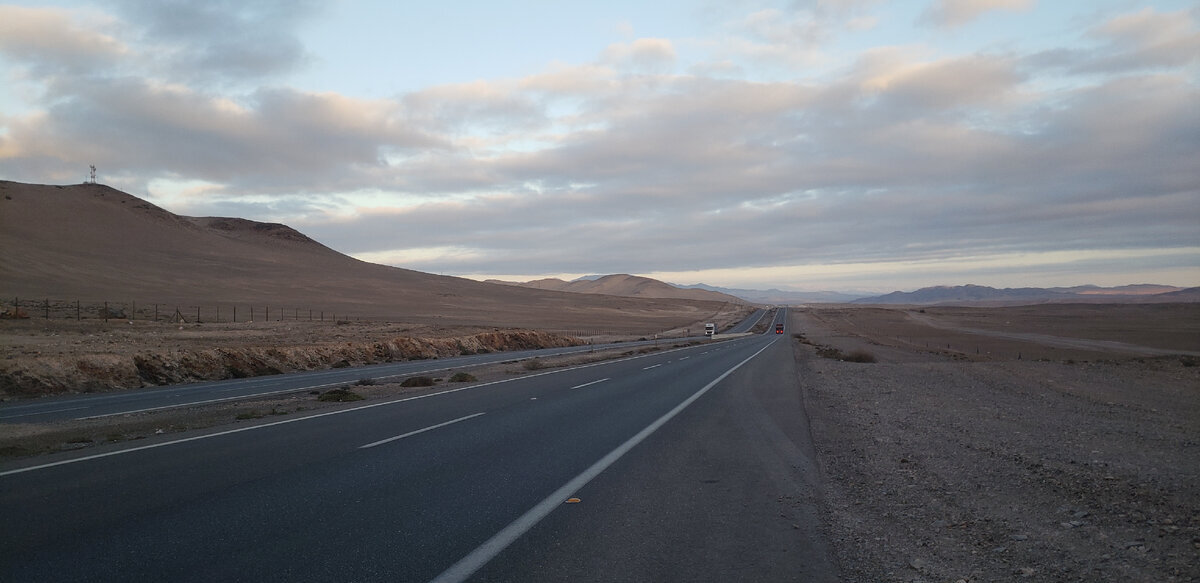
51,309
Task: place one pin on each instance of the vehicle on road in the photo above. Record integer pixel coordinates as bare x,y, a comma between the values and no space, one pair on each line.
779,328
710,329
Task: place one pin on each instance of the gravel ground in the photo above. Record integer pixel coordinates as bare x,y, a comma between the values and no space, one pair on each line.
944,468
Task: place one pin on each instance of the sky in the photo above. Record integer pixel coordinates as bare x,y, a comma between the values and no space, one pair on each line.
853,145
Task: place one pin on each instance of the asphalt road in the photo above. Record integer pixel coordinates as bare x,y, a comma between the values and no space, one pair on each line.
688,465
156,398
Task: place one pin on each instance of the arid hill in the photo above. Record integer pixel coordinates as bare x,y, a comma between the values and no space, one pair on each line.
632,286
93,243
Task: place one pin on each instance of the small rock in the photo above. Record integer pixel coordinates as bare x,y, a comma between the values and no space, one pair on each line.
1025,571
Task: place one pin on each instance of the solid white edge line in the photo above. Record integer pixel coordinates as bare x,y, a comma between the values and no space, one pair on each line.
476,559
306,418
412,433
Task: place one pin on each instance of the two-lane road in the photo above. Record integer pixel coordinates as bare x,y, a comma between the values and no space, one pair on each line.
174,396
689,464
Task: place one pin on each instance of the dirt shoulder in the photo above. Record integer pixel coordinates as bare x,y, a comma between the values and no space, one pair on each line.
957,465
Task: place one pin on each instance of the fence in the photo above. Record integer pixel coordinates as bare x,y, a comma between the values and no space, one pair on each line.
50,309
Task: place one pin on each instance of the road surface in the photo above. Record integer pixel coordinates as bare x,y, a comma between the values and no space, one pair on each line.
689,464
156,398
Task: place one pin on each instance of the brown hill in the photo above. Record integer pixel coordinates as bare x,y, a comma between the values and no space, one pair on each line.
631,286
93,243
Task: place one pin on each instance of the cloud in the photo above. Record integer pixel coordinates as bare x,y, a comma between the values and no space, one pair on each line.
52,41
220,40
643,54
956,13
903,155
274,139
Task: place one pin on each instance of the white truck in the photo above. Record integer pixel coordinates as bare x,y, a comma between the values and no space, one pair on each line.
710,329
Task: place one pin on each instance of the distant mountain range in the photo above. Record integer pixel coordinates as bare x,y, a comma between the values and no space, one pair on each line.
624,285
781,297
964,295
983,295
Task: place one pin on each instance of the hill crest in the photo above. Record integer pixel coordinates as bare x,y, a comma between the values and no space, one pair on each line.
91,242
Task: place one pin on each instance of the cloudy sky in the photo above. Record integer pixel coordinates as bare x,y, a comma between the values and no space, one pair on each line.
819,144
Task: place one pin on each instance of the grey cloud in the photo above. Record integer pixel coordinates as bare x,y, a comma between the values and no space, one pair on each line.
1131,43
273,139
221,40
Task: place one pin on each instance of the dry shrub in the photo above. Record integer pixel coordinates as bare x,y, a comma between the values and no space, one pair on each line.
860,356
417,382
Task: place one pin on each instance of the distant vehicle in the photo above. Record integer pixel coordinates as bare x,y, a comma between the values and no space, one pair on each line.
779,328
710,329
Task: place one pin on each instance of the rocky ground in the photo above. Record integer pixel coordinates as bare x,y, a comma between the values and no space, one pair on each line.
961,465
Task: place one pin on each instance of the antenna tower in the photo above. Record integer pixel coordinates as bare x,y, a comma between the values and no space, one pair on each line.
92,175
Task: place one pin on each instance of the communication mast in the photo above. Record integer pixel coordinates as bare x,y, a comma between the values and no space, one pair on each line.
92,175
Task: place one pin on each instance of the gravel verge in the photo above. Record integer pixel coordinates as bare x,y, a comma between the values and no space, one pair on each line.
940,468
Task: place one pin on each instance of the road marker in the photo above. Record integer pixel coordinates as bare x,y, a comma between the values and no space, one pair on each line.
412,433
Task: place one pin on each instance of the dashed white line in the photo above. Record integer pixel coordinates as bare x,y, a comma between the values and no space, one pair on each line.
476,559
652,366
588,384
40,413
412,433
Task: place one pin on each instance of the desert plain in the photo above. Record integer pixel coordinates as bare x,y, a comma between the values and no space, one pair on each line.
1031,443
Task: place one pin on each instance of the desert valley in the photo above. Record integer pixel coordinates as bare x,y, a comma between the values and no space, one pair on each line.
954,434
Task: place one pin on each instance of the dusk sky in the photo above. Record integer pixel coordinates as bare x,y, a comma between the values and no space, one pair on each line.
808,145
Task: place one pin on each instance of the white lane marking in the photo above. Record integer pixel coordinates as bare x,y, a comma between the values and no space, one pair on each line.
589,384
315,416
412,433
466,566
40,413
684,357
652,366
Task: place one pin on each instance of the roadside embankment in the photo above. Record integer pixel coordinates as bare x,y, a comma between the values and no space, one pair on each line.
117,366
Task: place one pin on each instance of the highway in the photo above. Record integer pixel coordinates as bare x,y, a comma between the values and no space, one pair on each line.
685,464
158,398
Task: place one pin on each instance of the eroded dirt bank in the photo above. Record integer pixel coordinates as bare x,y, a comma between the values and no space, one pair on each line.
952,466
70,360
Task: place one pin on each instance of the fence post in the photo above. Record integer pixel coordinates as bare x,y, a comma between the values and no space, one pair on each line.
133,311
106,312
47,308
267,317
197,314
235,313
155,312
251,313
77,318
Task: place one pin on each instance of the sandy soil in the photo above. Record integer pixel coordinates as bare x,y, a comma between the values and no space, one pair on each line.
960,456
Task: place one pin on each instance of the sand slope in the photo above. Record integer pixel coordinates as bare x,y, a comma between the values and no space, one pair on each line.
93,243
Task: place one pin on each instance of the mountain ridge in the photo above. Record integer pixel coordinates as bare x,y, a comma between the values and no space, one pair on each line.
970,294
